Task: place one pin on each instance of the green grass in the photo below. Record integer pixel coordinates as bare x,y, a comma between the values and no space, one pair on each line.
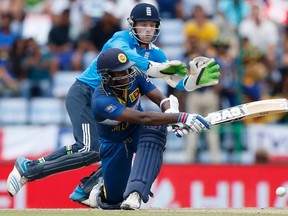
145,212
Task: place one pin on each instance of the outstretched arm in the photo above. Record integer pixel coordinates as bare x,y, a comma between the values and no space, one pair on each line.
192,122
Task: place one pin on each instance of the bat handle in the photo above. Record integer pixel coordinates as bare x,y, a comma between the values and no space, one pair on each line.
208,118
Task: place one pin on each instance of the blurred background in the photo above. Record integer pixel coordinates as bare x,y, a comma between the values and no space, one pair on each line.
45,44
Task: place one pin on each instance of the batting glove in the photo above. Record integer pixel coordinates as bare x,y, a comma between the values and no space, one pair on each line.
179,129
194,122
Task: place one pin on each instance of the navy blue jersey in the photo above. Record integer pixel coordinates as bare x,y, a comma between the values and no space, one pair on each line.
106,107
125,41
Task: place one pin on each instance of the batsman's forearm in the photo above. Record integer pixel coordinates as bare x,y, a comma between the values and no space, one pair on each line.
157,118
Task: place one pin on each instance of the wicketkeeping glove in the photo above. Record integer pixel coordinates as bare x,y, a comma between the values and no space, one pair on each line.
203,72
160,70
175,67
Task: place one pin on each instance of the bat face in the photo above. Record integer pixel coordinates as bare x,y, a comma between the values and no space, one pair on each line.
227,115
248,110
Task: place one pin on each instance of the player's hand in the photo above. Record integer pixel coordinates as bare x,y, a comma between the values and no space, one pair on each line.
166,69
203,72
194,122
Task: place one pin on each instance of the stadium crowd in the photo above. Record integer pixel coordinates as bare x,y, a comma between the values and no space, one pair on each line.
40,38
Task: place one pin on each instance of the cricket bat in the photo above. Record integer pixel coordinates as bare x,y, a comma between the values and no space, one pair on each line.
245,111
248,110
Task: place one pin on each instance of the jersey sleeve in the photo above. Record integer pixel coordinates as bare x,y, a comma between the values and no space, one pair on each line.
105,107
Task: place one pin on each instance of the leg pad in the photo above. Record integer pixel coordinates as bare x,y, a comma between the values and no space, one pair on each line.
61,164
148,161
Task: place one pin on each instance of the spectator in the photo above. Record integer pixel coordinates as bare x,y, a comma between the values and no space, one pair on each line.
203,101
8,86
201,27
234,10
284,83
79,13
60,42
261,32
253,80
84,53
7,39
228,86
192,50
76,17
228,32
38,69
16,56
284,67
171,9
249,53
104,29
209,7
207,101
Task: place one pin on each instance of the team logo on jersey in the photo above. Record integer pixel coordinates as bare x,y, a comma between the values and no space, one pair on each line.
147,53
122,58
148,11
134,95
110,108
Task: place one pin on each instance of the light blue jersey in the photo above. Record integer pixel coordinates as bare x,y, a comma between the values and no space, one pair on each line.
125,41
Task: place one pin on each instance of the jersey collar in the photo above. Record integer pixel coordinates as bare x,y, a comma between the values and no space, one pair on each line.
136,42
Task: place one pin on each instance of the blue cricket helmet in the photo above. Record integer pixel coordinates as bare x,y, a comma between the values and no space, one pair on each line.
144,12
114,60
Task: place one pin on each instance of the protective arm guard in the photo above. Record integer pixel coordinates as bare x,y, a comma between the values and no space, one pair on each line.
148,161
174,104
179,128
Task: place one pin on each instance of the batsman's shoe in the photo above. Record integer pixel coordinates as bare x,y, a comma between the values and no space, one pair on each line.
16,180
80,196
132,202
94,193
